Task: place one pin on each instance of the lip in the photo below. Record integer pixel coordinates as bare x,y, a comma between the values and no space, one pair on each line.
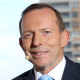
39,53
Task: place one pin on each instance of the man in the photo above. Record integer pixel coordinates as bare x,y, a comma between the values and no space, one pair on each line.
43,37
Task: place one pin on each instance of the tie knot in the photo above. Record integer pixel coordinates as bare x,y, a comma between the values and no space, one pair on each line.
45,77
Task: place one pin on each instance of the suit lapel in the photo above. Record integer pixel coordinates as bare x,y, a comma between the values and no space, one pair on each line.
67,74
30,76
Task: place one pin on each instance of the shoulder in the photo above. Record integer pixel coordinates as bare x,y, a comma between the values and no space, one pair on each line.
72,68
71,64
25,75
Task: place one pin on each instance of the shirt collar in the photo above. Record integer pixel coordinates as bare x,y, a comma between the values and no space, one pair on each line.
55,73
37,74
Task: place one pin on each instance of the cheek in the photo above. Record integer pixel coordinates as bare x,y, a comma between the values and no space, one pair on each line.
26,44
53,41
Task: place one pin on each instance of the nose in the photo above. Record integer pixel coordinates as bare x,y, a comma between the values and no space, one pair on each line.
37,40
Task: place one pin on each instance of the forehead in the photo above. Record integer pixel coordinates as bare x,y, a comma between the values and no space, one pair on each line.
39,18
40,12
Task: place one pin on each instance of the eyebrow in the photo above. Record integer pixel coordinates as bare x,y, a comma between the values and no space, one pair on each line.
43,29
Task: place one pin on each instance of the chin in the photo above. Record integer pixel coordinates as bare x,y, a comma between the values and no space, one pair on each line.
40,68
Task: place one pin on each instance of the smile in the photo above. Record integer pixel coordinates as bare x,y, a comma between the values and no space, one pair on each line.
39,53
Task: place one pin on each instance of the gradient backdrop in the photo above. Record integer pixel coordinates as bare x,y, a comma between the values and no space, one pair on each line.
12,58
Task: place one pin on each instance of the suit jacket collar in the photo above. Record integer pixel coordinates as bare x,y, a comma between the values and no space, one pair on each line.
70,71
29,75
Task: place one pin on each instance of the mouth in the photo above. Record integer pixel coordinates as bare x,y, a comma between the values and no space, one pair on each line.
39,53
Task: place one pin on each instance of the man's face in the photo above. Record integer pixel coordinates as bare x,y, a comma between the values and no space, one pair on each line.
41,39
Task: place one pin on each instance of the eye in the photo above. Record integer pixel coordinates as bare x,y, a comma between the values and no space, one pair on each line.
47,32
28,35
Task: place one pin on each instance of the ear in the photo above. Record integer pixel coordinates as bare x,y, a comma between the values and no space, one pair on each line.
21,43
64,38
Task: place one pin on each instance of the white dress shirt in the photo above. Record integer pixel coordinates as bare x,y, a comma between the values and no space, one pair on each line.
55,73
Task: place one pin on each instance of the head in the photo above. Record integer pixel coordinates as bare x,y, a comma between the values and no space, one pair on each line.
43,36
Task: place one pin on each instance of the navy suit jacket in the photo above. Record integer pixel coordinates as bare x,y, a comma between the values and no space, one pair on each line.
71,72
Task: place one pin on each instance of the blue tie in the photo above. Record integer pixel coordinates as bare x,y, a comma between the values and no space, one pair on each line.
45,77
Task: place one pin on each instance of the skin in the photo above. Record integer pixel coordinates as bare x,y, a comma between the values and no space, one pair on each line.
40,34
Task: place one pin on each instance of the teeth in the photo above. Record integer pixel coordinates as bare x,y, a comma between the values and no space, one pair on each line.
40,53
